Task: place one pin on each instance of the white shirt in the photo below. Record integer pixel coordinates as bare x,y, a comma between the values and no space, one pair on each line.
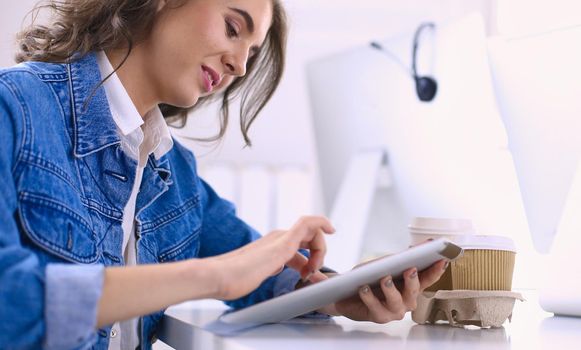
140,137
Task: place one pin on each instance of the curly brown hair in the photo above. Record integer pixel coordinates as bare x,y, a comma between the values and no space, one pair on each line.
79,27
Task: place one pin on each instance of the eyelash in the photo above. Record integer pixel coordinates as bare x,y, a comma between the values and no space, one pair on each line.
231,30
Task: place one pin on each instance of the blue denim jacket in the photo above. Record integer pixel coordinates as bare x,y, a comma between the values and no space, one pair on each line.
65,182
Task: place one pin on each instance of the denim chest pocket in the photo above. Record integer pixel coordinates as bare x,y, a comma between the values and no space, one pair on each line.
176,235
53,217
187,248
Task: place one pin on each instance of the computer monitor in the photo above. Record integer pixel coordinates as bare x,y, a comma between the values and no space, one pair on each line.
537,80
538,86
446,158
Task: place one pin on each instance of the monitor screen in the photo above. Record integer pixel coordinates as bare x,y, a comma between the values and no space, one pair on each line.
537,80
447,158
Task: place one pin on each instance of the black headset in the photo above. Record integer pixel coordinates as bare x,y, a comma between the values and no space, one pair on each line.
426,87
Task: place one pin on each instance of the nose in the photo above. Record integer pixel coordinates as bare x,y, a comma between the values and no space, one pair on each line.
235,63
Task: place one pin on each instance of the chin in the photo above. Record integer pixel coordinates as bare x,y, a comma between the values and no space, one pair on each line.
184,101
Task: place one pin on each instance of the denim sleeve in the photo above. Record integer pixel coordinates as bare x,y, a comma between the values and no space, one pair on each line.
24,281
21,279
71,298
222,231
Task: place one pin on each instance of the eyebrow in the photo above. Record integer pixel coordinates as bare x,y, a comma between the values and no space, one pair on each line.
247,18
249,23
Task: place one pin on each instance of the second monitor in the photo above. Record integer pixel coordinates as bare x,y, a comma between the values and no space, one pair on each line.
446,158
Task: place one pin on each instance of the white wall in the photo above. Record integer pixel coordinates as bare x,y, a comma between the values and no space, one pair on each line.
12,14
528,17
283,133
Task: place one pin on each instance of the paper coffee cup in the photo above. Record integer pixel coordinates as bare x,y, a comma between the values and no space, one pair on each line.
487,263
423,228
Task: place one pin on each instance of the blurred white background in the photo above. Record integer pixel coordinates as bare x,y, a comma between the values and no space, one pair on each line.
277,179
283,137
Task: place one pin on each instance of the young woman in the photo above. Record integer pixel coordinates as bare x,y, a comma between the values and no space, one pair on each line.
103,219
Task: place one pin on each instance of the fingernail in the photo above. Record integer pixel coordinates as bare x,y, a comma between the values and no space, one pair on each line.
446,265
414,274
388,283
365,289
308,276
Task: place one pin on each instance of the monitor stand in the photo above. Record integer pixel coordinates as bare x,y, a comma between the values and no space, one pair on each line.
560,290
366,173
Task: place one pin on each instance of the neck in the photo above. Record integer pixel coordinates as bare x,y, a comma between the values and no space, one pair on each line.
135,81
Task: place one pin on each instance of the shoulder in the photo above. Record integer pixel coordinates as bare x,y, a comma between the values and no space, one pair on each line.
27,98
183,161
34,72
29,78
181,152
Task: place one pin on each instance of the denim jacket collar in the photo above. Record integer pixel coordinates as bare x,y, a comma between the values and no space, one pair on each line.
94,128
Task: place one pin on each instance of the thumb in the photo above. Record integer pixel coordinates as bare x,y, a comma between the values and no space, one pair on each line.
298,262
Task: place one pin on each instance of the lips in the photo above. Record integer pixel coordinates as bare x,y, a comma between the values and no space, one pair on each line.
211,78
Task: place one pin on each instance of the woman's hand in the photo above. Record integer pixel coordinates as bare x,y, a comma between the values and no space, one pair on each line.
228,276
239,272
391,300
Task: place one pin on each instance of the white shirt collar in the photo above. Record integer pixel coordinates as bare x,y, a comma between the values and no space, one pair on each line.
128,119
157,131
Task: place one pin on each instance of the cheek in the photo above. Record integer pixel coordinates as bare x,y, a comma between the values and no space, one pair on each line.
177,73
176,78
178,58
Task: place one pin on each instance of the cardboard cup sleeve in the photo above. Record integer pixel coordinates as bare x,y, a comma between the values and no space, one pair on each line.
483,269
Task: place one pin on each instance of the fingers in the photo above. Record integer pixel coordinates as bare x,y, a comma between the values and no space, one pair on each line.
317,250
411,288
377,311
432,274
393,299
383,311
313,223
397,302
299,262
309,231
317,277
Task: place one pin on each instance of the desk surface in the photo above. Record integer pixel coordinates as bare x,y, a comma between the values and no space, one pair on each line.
531,328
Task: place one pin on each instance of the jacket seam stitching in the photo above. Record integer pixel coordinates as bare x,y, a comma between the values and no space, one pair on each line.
41,199
62,112
20,148
103,210
173,215
36,161
54,249
174,251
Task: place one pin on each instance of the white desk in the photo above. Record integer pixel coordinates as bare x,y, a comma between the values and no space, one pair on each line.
531,328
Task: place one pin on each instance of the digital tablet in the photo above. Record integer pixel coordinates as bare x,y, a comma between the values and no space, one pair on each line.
315,296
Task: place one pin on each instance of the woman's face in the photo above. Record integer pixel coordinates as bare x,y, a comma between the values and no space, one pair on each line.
197,49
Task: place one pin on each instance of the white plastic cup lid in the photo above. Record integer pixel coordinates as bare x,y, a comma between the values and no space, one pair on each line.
485,242
440,225
441,232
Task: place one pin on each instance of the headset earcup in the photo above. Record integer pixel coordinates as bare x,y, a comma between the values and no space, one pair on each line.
426,88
